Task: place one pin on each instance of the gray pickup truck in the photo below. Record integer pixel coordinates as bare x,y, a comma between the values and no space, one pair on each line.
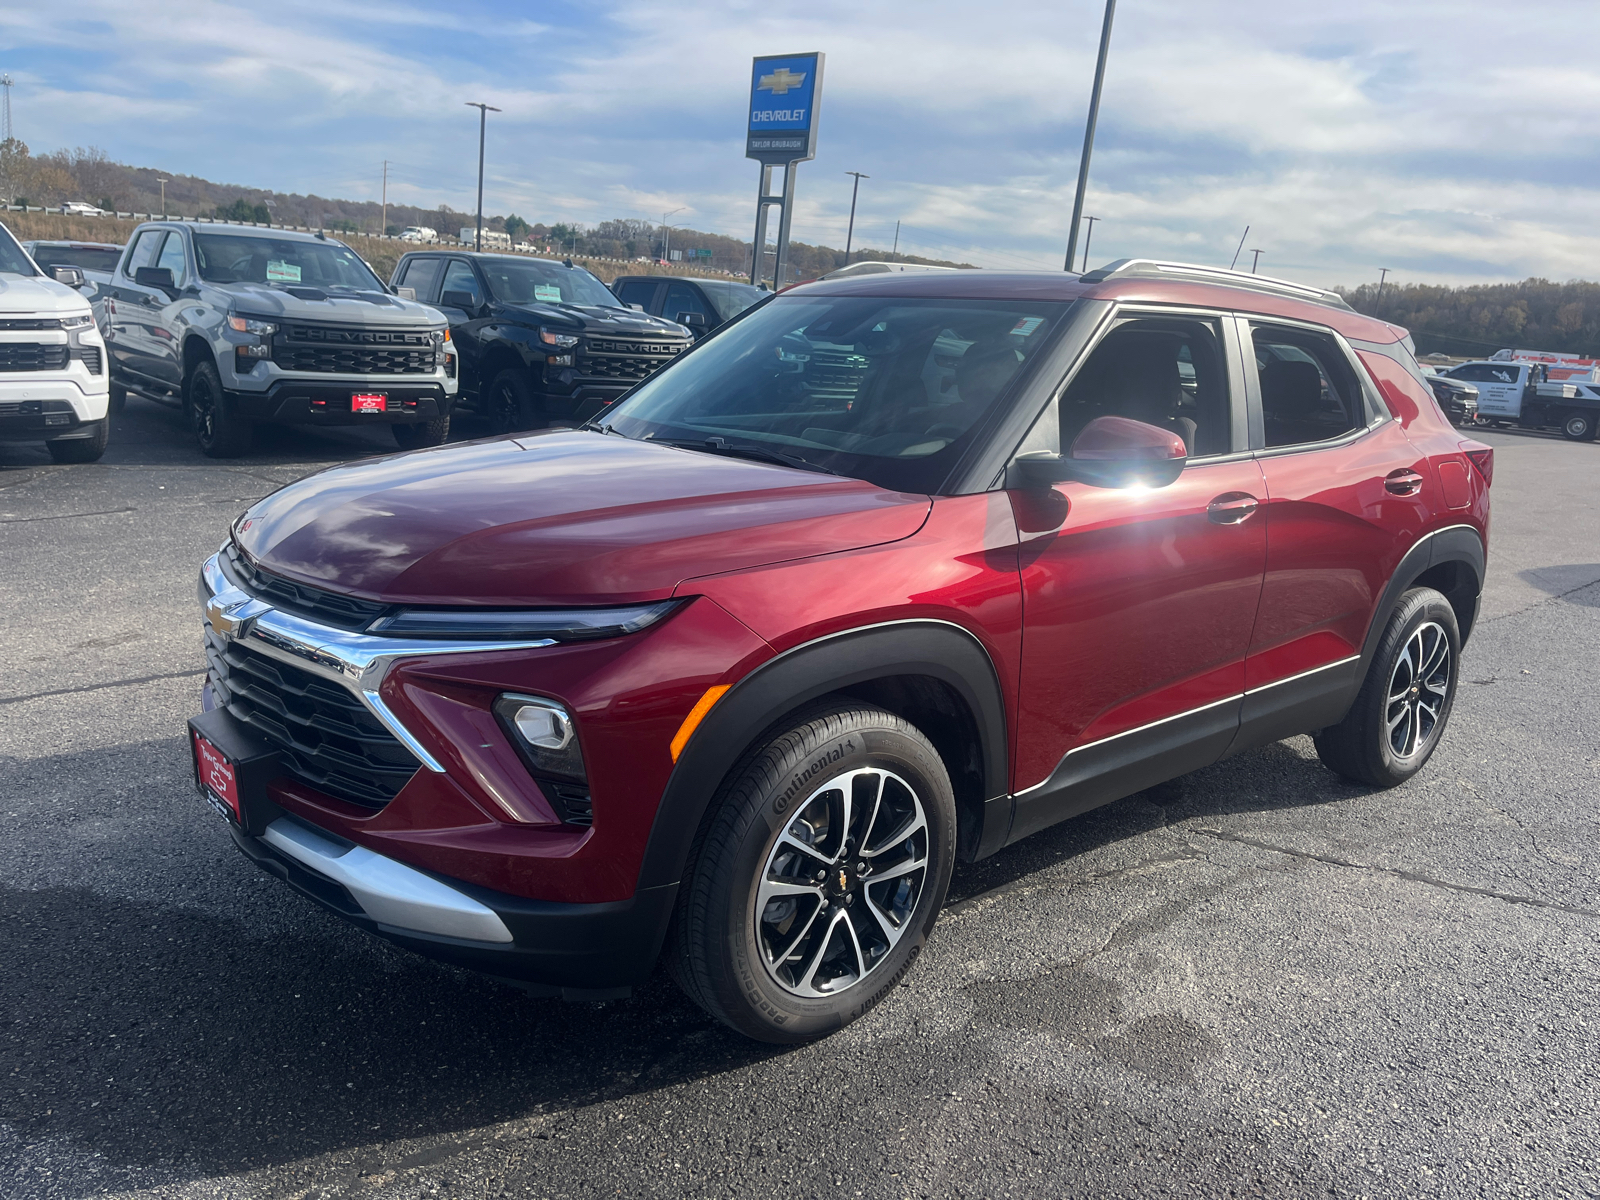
243,325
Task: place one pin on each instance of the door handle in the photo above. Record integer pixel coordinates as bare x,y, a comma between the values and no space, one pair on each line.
1230,508
1404,482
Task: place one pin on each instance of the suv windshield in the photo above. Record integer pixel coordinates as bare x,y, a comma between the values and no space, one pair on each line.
889,390
230,258
12,260
540,281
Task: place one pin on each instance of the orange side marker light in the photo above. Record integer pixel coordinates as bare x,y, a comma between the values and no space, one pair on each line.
696,715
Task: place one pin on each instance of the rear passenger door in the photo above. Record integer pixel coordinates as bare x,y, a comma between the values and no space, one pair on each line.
685,300
1346,496
130,315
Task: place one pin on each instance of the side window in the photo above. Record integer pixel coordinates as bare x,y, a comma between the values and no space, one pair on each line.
143,251
173,258
422,274
459,278
1167,373
640,292
681,298
1308,391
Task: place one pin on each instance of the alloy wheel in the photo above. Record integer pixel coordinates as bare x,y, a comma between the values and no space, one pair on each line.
1419,686
841,883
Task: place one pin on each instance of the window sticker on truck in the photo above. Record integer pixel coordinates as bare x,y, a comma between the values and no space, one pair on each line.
546,291
282,272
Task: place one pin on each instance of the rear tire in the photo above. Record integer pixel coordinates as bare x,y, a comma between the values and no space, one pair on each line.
213,414
423,434
1578,425
118,399
779,932
511,403
1404,704
82,450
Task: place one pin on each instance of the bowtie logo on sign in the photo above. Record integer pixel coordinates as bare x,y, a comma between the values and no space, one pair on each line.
780,81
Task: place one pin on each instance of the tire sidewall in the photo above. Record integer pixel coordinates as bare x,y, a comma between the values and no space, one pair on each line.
523,411
1420,608
1579,427
781,1015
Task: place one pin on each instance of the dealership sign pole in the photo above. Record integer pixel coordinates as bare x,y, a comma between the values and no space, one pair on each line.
785,93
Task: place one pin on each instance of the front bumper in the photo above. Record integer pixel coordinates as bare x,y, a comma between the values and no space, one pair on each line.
74,391
318,402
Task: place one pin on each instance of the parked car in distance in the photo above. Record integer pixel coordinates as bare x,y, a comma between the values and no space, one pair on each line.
418,233
77,208
1458,398
890,573
1516,393
97,260
52,358
700,305
540,341
243,326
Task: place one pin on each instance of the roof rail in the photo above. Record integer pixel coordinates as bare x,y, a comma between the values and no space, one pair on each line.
1150,268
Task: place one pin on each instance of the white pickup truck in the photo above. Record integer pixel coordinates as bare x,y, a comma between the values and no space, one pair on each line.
1514,393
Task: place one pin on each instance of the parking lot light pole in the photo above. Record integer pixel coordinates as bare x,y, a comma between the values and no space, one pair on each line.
163,183
483,121
851,231
1088,133
666,232
1087,238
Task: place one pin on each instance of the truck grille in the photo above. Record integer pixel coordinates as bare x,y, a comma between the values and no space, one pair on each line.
330,350
326,736
346,612
33,356
616,358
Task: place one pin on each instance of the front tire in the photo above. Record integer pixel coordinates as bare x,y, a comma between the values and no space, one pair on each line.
213,414
512,404
426,433
1404,704
1578,426
818,877
83,449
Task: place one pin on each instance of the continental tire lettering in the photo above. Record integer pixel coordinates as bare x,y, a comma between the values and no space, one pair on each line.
871,1002
827,759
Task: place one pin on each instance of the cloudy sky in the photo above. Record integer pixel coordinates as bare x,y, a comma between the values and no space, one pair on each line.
1451,142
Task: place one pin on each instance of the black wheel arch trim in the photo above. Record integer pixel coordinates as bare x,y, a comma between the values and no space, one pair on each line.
1452,544
941,650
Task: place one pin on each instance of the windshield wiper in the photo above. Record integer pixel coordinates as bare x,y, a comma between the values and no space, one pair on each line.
716,445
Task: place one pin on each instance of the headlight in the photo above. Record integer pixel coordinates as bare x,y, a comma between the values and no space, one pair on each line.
78,321
252,325
564,340
557,625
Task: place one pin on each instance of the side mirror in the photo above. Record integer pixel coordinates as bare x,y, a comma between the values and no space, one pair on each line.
636,307
71,276
1110,452
461,300
692,319
154,277
406,293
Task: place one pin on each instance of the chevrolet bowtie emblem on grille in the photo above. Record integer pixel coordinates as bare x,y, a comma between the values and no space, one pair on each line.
780,81
221,617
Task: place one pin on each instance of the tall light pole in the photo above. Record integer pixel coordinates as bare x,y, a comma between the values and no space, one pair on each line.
850,233
666,232
1088,132
483,121
1256,260
163,183
1087,238
1383,274
383,221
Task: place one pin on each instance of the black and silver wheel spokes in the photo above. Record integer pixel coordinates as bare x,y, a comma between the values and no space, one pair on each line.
841,883
1418,689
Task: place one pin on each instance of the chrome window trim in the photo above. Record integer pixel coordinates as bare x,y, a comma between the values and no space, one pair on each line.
358,662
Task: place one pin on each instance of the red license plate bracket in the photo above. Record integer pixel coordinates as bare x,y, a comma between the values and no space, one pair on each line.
369,402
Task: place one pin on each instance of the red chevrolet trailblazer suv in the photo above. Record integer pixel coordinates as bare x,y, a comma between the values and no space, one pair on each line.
888,572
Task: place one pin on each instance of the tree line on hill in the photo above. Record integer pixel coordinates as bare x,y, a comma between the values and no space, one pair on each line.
1536,314
88,174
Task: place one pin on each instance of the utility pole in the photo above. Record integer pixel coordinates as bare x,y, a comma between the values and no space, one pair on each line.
1383,274
483,121
1254,261
895,253
163,183
1237,250
850,233
383,221
1087,238
8,83
1088,132
666,232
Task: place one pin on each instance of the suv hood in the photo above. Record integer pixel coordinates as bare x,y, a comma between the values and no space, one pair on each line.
293,302
601,319
568,517
31,294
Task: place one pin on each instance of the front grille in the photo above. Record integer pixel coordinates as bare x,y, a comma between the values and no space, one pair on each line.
571,801
345,612
30,323
613,358
331,350
327,738
33,356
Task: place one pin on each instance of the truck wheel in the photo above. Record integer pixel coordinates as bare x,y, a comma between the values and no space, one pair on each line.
118,399
512,405
217,425
1578,426
819,874
82,449
424,433
1405,701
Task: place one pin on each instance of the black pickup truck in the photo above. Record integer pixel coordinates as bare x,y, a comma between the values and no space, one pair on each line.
540,341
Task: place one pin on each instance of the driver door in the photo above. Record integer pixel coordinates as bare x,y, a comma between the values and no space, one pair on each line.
1138,602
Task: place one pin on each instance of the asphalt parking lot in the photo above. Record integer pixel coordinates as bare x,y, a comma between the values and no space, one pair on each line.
1255,981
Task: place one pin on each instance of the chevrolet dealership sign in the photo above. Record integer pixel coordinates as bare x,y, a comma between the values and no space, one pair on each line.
785,90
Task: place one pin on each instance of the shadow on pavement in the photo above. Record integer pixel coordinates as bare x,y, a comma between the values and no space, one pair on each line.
1568,582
